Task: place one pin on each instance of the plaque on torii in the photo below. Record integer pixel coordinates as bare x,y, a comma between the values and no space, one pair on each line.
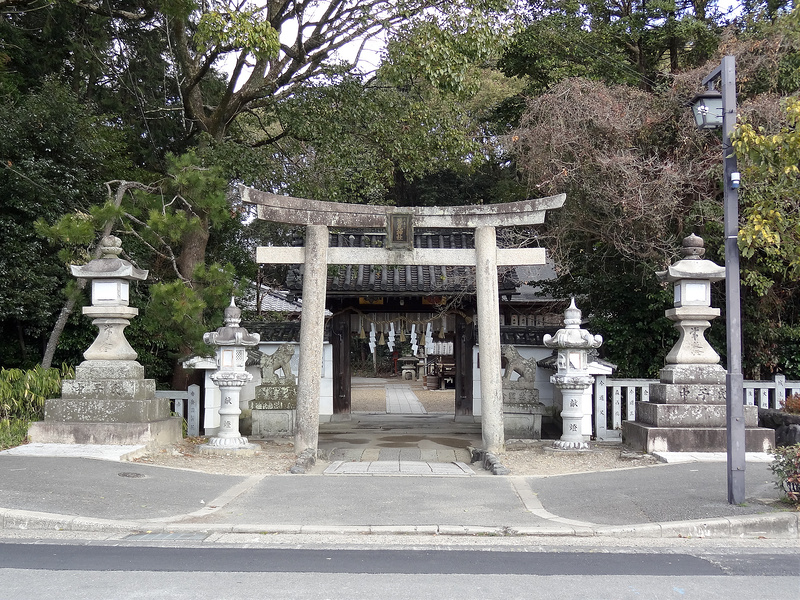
399,223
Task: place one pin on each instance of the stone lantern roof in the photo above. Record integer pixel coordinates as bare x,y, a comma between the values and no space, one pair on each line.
109,265
693,265
572,336
231,334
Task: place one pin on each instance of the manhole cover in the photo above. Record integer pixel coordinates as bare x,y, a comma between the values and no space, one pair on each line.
132,475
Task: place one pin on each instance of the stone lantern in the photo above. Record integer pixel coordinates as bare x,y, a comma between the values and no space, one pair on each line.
109,401
686,411
692,314
573,378
110,278
232,342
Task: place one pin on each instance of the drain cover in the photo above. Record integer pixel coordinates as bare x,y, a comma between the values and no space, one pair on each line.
132,475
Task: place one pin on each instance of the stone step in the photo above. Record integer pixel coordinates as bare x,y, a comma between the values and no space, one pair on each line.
691,439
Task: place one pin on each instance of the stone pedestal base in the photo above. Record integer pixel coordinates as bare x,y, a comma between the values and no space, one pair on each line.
243,449
273,412
108,402
687,413
153,433
650,438
522,414
571,446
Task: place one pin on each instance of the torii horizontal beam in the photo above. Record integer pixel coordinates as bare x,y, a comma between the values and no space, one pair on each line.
450,257
302,211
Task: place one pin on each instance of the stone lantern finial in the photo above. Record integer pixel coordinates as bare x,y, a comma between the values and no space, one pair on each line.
693,247
233,314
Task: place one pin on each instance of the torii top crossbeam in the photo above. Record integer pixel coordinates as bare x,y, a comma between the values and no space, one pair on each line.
302,211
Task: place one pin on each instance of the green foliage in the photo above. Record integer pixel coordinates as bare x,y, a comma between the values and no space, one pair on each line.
770,234
53,154
785,466
442,48
633,43
23,393
22,398
247,29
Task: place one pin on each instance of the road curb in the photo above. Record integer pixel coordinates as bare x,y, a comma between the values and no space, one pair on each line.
782,525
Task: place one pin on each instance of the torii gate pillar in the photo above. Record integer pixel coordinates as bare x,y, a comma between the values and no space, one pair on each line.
487,292
312,332
316,256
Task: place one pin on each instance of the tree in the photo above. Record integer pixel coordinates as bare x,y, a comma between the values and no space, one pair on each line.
53,150
634,43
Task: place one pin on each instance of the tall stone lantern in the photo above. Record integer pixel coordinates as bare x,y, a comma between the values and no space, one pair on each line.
686,411
232,342
573,378
692,359
109,401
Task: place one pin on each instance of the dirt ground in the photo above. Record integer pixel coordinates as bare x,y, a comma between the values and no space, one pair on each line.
531,458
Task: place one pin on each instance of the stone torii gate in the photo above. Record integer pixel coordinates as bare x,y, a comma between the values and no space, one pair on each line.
399,223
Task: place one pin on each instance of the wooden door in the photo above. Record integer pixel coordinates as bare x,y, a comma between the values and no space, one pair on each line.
462,351
340,339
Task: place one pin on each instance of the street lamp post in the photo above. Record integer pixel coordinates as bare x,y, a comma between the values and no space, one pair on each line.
711,110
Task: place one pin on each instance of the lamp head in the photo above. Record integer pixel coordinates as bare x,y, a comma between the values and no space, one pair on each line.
707,109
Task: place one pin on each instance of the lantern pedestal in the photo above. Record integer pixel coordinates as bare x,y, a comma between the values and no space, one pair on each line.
572,389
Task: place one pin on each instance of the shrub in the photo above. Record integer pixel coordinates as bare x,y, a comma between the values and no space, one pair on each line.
22,397
792,404
786,468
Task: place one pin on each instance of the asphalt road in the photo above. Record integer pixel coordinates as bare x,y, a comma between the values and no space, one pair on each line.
120,571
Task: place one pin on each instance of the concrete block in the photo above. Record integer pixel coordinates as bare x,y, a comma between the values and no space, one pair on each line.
273,422
109,369
103,410
693,374
522,426
116,389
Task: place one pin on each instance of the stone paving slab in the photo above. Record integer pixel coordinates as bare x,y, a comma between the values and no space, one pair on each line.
688,457
417,468
400,399
98,451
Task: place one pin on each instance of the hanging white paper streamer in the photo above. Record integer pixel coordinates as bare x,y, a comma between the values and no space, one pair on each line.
429,339
390,343
414,346
372,344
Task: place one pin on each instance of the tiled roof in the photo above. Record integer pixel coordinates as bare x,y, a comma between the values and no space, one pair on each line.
366,280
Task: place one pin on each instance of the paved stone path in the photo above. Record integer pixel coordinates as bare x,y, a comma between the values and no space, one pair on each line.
401,400
402,467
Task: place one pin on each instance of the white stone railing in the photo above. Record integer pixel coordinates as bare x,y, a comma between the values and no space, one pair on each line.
186,405
769,394
624,393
